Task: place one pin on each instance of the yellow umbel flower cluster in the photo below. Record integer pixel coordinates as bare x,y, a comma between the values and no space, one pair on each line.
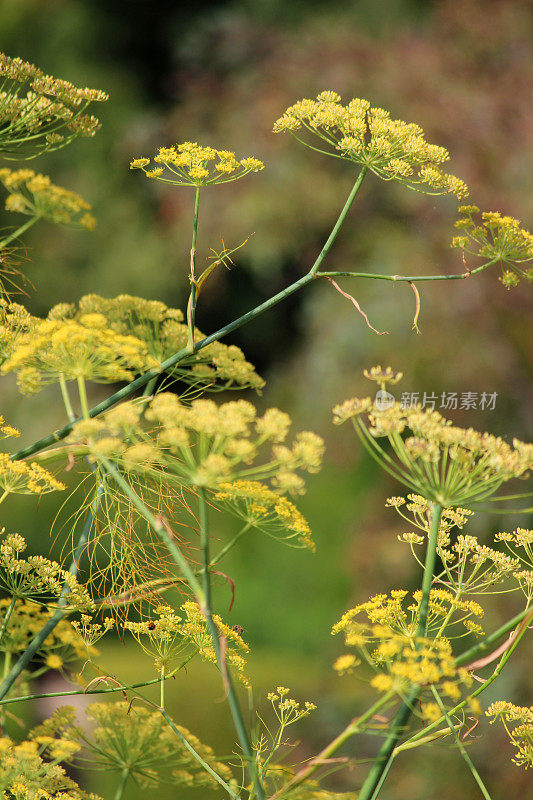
520,545
39,112
36,196
216,366
134,738
391,612
7,431
447,464
29,771
265,510
165,636
518,722
36,577
25,620
15,320
286,709
390,148
387,641
22,477
191,164
204,444
497,238
68,349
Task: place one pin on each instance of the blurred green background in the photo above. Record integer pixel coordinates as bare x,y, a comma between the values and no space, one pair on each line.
221,73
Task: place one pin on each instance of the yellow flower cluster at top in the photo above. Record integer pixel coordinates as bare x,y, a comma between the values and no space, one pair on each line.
265,510
29,771
191,164
39,112
36,196
518,722
122,736
204,444
356,132
450,465
35,577
497,238
286,709
163,332
84,348
387,641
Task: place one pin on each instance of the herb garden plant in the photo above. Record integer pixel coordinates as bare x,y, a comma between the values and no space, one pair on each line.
148,466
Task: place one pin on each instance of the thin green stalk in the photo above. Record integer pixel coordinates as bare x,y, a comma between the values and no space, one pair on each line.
149,388
162,687
429,568
381,765
191,306
7,616
342,216
233,701
66,398
220,555
18,232
122,784
169,363
407,278
460,745
82,390
106,690
60,611
478,650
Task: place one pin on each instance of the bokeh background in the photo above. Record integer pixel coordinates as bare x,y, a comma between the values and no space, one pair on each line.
221,73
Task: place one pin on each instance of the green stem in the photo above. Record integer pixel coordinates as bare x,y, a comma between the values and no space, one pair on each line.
483,647
191,305
407,278
429,569
66,398
7,616
162,687
460,745
381,765
122,784
18,232
233,701
342,216
220,555
149,388
82,390
107,690
169,363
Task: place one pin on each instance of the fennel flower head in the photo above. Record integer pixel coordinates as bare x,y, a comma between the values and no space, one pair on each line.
361,134
38,112
449,465
191,164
